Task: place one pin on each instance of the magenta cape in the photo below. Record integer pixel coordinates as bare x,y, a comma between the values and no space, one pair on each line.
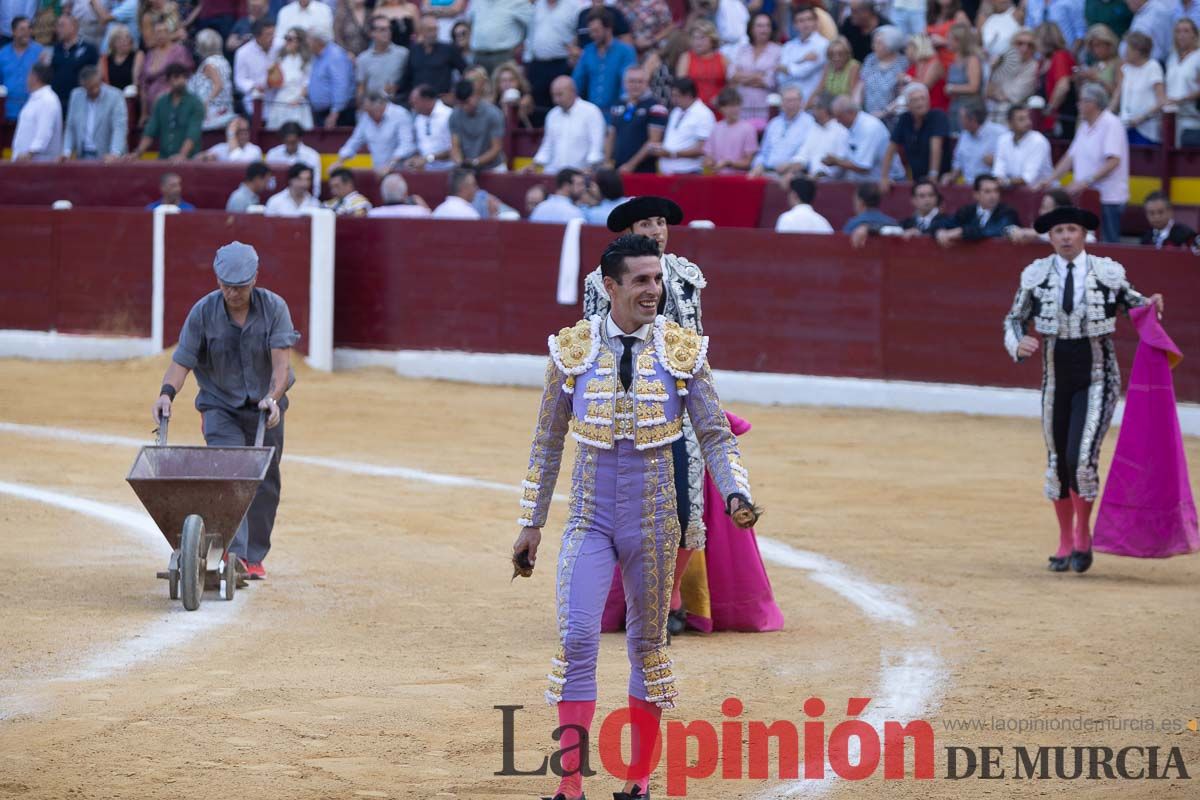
1147,510
726,587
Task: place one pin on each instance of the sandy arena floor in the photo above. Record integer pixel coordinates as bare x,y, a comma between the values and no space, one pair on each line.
369,663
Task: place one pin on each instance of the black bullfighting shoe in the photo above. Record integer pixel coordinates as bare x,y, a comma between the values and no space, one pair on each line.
1081,560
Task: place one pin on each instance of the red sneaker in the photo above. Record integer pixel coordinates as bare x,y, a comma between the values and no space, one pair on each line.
255,571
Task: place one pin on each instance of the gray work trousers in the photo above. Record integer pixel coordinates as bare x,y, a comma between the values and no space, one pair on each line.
224,428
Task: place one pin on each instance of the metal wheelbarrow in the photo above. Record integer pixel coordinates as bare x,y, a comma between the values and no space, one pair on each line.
198,496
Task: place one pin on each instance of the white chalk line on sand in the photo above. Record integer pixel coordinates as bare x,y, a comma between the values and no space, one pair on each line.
172,629
909,679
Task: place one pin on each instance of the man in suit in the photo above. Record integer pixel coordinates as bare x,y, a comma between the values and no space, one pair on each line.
97,120
986,218
927,218
1164,230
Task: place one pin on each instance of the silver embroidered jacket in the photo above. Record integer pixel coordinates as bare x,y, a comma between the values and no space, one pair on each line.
583,395
1107,292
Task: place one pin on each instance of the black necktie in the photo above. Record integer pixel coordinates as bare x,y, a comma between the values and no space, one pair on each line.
627,361
1068,303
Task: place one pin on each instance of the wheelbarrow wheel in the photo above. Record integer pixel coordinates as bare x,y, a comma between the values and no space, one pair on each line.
229,576
191,576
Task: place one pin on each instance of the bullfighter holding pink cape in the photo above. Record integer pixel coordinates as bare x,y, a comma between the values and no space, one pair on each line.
1072,298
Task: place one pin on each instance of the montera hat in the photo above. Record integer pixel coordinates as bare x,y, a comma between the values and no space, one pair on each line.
623,216
1066,215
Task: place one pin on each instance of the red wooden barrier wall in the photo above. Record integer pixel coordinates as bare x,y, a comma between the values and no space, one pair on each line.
75,273
788,304
192,241
784,304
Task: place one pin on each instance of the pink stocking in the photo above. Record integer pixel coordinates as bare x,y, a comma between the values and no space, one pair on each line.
1083,522
645,718
1065,511
573,712
681,562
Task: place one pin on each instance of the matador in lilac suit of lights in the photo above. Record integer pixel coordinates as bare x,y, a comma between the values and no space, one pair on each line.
620,384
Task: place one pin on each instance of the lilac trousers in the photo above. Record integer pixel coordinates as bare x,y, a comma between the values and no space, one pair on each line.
623,512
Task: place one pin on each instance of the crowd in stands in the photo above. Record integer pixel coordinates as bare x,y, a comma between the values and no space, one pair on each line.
933,90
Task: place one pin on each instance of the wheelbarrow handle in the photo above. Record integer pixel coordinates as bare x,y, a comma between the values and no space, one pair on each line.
163,422
261,433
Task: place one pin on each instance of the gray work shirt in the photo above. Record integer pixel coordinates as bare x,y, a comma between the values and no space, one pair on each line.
232,363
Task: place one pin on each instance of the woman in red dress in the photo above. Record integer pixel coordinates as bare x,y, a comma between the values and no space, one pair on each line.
704,64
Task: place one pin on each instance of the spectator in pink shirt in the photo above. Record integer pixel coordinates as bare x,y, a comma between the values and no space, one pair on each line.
734,142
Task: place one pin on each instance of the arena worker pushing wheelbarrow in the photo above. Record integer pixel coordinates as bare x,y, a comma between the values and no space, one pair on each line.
238,341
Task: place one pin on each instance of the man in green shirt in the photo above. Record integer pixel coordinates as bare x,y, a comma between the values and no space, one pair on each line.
1113,13
175,120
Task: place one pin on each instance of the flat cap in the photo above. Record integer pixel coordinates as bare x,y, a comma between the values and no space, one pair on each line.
236,264
623,216
1066,215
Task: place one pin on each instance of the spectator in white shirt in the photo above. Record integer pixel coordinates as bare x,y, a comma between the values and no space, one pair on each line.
431,124
387,131
237,145
1022,154
459,202
307,15
802,218
1183,82
252,62
1141,90
548,45
39,134
998,29
802,60
978,139
397,202
1099,158
294,150
574,133
293,200
784,135
867,142
828,142
569,188
689,125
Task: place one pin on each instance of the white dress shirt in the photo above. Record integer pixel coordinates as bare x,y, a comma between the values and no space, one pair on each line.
433,135
40,127
801,74
552,29
1028,159
282,205
1080,272
828,139
573,138
250,67
685,130
223,152
997,32
868,141
802,219
388,140
555,208
400,210
304,154
614,333
317,15
1160,235
454,207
